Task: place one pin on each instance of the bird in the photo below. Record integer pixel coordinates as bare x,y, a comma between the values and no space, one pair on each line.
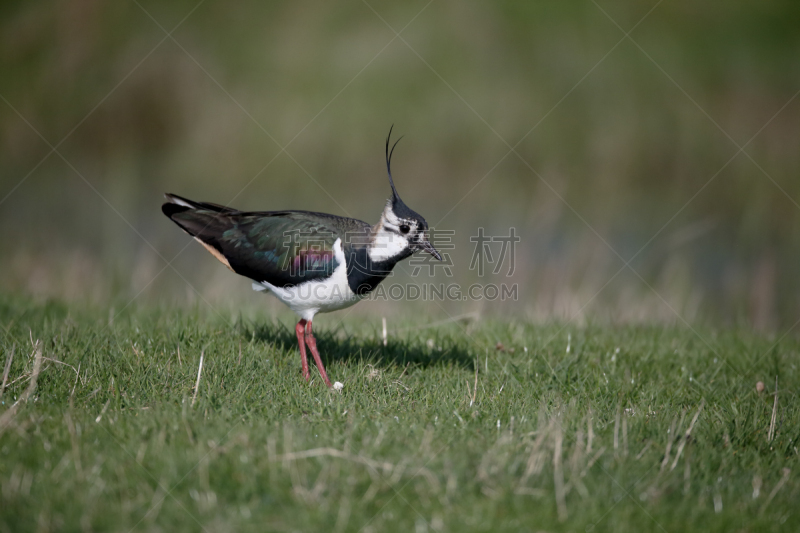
312,262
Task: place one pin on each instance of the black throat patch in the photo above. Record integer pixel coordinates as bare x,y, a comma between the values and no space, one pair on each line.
364,274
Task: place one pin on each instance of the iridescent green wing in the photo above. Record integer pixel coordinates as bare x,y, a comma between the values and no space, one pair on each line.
282,248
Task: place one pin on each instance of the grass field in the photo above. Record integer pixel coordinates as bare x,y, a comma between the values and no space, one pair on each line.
595,428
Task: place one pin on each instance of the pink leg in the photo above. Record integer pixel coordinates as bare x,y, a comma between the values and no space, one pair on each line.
300,330
312,345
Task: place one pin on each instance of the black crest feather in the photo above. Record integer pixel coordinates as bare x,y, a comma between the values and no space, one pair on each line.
389,161
398,206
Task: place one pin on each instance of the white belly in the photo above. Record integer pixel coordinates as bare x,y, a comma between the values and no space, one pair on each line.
308,299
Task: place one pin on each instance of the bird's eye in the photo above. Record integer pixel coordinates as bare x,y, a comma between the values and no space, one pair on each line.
404,229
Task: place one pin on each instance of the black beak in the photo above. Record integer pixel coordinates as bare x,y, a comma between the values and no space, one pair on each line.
426,245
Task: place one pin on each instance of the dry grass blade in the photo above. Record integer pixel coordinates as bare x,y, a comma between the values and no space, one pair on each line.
9,359
475,387
624,434
76,451
403,373
77,377
136,351
669,443
757,481
384,466
777,488
62,363
535,460
8,416
686,435
644,450
558,475
103,411
590,431
773,420
199,372
23,377
575,461
592,461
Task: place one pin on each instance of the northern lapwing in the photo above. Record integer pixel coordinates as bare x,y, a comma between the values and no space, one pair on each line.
312,262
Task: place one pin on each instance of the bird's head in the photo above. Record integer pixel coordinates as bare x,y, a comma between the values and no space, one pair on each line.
401,230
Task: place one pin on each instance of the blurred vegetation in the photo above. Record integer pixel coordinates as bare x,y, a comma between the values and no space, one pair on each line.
626,133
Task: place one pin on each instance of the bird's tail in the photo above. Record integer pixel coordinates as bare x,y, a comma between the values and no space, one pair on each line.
204,221
179,204
198,219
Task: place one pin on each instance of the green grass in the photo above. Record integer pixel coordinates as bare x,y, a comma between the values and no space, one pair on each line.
407,451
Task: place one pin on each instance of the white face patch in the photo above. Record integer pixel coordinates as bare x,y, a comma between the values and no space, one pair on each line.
388,240
387,244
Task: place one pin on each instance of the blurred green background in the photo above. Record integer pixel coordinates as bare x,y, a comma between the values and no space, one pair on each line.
625,149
